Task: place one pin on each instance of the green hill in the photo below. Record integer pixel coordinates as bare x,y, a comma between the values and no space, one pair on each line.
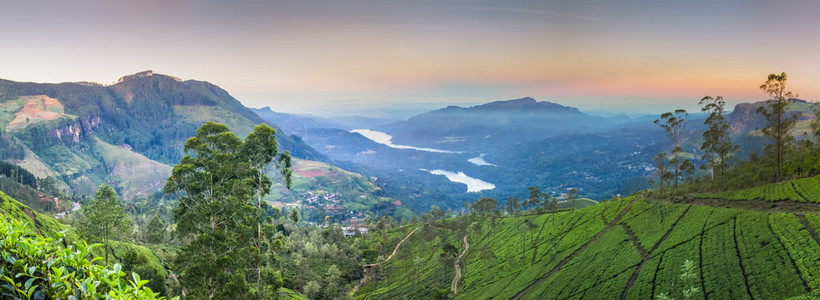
627,248
126,134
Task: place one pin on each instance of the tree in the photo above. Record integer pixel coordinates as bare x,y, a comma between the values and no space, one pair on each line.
717,144
674,123
312,288
214,216
104,218
775,112
512,205
437,213
155,231
294,216
484,205
571,196
332,278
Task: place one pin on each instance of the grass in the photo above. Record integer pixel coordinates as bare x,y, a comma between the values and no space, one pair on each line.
131,173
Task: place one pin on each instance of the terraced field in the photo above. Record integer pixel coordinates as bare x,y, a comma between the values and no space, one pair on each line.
627,249
800,190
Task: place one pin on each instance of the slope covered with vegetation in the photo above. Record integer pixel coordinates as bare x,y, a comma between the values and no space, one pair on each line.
131,257
626,248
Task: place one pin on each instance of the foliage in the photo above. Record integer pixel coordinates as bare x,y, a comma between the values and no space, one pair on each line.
43,269
104,218
484,206
779,123
155,231
674,123
717,144
688,277
216,213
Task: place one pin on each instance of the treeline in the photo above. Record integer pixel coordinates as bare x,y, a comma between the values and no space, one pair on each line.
784,156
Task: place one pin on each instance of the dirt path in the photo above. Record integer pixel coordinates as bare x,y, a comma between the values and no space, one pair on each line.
457,278
740,259
561,264
368,266
646,254
806,224
635,242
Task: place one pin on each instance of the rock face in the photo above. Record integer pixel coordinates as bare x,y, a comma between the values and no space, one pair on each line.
744,118
80,128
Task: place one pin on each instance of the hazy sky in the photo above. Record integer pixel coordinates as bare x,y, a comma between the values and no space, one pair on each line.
340,57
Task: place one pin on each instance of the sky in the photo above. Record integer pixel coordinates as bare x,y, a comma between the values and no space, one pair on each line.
394,58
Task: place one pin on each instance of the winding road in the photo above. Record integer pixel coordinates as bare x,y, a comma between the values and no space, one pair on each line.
454,285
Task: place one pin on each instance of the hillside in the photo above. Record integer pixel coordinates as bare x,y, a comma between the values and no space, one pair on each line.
746,122
320,189
132,257
626,248
128,133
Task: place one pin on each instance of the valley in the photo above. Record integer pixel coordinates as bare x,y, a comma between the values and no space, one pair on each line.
515,199
409,150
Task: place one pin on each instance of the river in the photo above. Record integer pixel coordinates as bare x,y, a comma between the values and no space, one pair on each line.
473,184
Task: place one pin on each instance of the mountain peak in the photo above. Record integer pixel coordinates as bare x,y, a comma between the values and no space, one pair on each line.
144,74
526,104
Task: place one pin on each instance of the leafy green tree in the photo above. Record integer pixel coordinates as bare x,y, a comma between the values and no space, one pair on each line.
571,195
717,144
674,123
104,218
155,231
662,169
484,205
512,205
260,149
332,278
213,215
312,288
294,216
780,123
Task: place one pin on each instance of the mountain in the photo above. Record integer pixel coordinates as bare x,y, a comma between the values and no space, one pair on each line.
298,124
128,133
491,125
746,122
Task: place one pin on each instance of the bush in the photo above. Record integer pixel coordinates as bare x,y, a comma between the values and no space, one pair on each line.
34,267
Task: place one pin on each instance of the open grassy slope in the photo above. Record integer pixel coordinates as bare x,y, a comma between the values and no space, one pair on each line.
627,248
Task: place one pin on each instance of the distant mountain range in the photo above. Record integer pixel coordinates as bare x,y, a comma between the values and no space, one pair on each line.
495,124
293,123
